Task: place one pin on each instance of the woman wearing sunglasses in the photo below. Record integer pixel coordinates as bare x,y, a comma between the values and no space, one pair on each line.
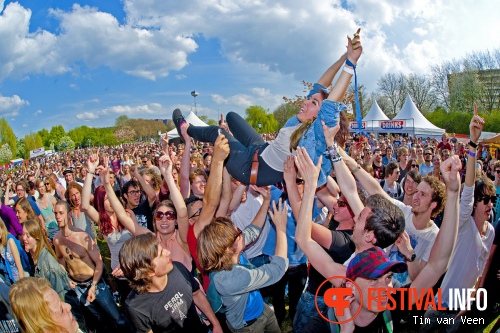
170,218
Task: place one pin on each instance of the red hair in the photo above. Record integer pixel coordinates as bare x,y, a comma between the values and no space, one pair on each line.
106,226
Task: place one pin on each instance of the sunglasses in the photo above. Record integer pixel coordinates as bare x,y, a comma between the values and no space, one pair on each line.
486,199
414,165
427,154
196,214
497,171
170,215
369,153
238,234
47,184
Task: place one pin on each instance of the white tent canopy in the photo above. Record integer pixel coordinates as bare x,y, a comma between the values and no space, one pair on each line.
372,120
190,118
410,120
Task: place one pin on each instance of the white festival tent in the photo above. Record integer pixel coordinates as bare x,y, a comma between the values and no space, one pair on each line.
371,122
411,121
190,118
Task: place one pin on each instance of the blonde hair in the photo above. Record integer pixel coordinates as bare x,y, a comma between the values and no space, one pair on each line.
34,230
3,236
215,244
30,308
154,177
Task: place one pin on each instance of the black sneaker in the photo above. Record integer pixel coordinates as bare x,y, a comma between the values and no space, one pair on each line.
178,119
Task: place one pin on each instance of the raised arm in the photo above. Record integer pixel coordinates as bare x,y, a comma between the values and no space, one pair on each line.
236,199
346,181
316,255
150,191
326,79
166,165
185,164
475,127
226,197
129,223
7,200
290,177
261,216
447,236
87,208
213,190
354,50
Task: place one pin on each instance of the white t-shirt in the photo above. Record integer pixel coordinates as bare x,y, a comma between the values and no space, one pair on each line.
244,215
279,149
471,250
421,241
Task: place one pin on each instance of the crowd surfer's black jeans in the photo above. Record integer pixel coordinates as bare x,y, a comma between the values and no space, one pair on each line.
243,143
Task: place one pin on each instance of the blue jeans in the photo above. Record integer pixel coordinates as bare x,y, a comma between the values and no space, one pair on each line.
306,309
103,308
243,143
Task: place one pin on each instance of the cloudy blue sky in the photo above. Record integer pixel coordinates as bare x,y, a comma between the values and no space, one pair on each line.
87,62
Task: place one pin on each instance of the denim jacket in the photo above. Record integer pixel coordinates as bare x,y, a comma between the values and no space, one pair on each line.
314,139
48,267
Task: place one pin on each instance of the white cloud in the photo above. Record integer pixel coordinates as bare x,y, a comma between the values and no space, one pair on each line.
25,125
419,31
10,106
87,116
74,86
137,111
37,112
181,77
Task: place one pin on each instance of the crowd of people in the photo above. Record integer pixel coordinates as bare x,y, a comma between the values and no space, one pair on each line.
215,232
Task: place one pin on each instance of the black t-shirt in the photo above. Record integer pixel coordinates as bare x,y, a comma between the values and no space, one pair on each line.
7,321
144,214
378,171
171,310
340,250
319,325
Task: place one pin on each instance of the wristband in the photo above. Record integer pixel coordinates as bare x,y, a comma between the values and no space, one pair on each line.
356,169
94,285
92,173
472,144
349,63
471,153
348,70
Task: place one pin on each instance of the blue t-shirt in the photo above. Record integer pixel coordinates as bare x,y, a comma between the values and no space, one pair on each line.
294,253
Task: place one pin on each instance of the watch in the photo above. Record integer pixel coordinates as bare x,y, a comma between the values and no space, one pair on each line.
412,258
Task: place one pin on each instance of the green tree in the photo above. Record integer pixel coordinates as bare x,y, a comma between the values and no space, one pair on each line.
45,135
5,153
32,141
66,144
121,121
56,133
21,149
7,135
256,115
212,122
284,112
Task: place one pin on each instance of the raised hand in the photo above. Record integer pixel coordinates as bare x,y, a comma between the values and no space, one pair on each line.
221,147
476,125
354,47
289,172
330,133
450,169
92,162
265,191
165,165
279,215
306,167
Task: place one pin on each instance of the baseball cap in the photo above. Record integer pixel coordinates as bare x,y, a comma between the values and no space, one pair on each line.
372,264
67,170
